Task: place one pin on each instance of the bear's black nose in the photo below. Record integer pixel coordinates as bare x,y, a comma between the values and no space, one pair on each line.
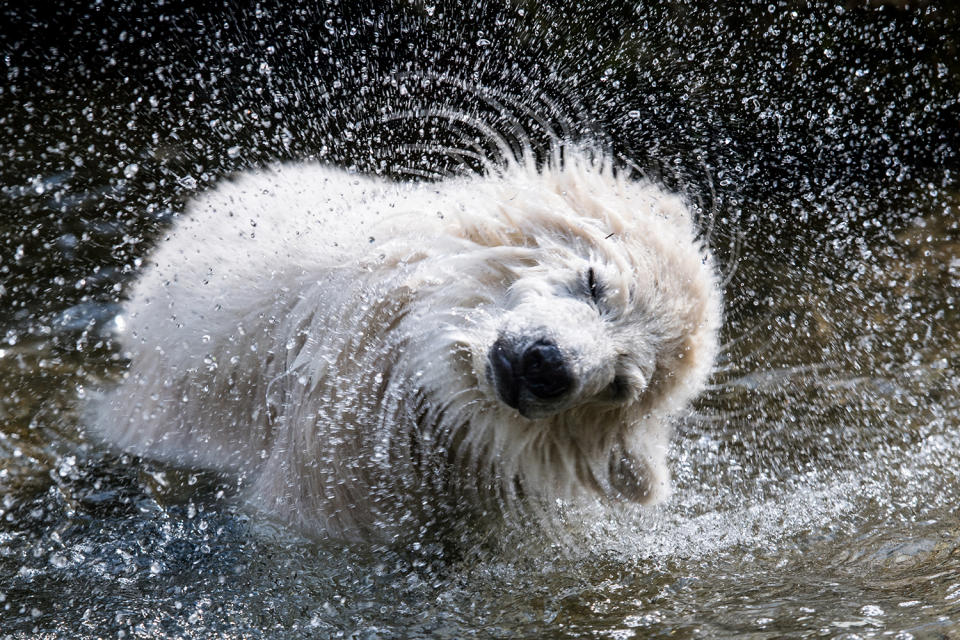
536,369
543,370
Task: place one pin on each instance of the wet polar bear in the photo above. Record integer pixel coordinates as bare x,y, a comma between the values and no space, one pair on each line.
371,357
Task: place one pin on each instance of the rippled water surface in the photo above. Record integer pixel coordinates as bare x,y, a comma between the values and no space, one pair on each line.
817,480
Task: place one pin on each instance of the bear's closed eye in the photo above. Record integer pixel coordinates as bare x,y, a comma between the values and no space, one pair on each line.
594,286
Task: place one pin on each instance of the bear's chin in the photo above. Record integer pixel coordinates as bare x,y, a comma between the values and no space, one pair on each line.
634,481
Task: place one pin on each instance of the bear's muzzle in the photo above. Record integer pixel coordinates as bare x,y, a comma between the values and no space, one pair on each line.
530,376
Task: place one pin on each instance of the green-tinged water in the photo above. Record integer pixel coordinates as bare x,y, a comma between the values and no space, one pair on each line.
817,481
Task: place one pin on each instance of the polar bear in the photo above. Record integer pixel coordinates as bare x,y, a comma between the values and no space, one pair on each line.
369,356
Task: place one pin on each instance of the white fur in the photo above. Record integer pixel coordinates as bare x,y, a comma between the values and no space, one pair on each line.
326,336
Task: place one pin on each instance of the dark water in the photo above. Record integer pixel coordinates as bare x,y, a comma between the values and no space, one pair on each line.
817,480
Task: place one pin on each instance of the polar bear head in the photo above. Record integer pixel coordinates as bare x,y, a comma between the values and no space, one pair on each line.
581,314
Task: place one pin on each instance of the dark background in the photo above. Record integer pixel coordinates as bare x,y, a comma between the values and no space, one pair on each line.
796,125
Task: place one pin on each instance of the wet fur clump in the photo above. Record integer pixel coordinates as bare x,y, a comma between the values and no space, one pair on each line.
372,357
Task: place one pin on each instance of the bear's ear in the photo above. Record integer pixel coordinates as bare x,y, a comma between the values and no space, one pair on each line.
637,478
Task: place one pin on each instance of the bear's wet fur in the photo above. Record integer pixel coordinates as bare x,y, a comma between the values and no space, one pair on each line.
370,356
